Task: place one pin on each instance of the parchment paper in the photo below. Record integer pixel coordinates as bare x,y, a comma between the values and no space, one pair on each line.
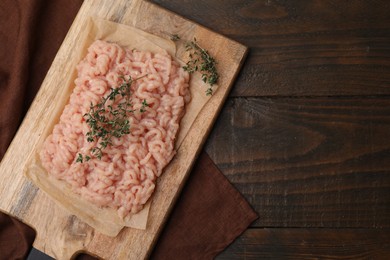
106,220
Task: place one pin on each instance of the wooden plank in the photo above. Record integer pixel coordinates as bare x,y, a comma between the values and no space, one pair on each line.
60,234
304,48
310,244
308,162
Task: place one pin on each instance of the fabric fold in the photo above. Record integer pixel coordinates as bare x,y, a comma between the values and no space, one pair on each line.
209,214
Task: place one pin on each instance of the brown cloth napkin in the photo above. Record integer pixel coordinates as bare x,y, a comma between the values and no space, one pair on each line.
209,214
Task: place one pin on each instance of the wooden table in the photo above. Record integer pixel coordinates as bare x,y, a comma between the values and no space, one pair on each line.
305,132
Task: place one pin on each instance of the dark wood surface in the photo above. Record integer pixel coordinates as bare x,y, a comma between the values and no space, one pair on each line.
313,243
305,132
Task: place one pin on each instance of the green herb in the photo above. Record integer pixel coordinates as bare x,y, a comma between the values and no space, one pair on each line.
175,37
79,158
144,104
201,60
109,119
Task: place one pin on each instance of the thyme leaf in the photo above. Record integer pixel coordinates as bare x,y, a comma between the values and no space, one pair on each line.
175,37
144,104
202,61
108,118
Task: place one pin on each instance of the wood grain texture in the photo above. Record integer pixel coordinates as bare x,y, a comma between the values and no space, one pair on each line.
61,234
310,244
303,48
310,146
318,162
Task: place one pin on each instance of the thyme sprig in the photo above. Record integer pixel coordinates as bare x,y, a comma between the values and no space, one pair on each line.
201,60
108,118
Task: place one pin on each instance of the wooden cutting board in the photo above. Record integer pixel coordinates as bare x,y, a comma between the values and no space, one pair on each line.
62,235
